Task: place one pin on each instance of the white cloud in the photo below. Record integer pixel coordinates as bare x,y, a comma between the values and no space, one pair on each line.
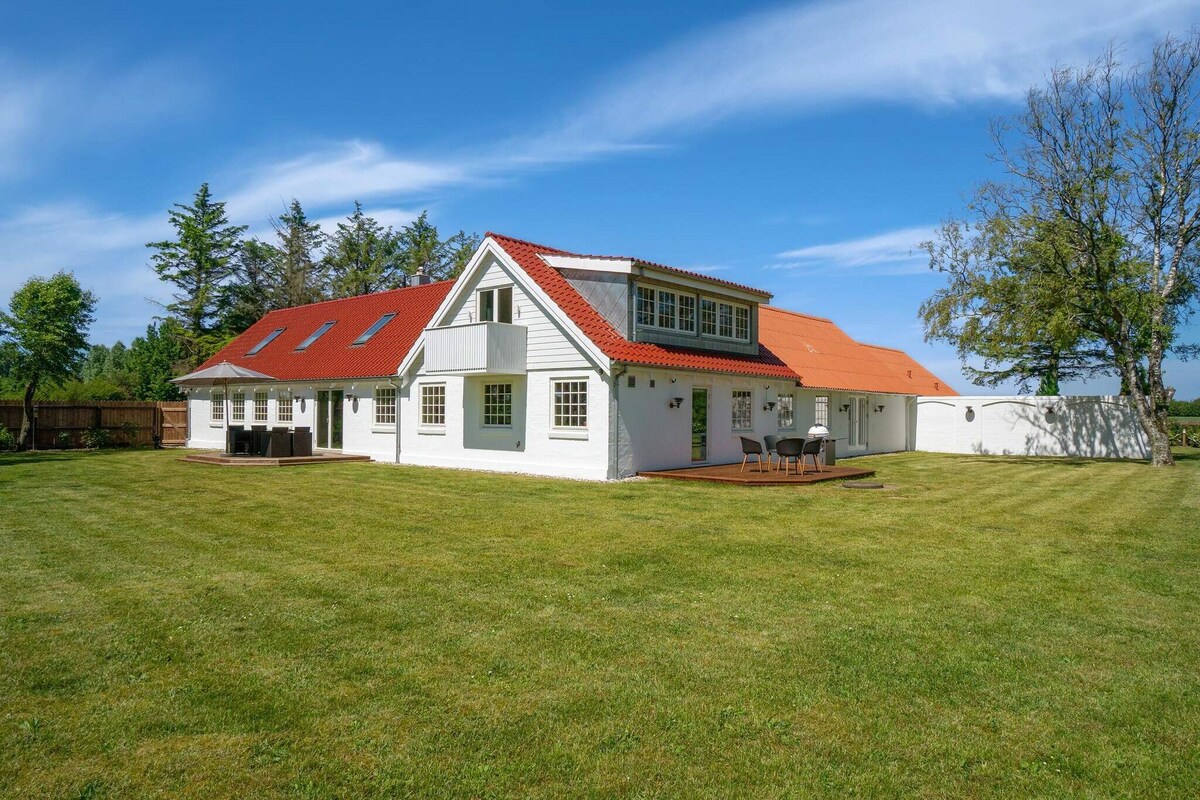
891,252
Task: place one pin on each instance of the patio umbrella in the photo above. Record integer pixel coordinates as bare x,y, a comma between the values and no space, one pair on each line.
221,374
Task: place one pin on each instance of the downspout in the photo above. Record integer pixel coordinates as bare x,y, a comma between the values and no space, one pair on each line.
614,424
398,388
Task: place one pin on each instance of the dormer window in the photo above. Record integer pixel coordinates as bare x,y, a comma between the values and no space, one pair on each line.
665,309
495,305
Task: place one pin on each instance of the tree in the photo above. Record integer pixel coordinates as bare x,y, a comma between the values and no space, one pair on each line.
361,257
45,336
422,249
1089,248
198,262
254,289
156,358
301,274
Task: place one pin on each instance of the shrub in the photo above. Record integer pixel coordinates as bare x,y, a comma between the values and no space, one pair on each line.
7,440
63,440
94,438
129,431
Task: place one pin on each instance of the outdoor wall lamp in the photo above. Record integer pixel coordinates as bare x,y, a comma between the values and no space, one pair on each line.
879,408
351,398
769,405
845,406
675,402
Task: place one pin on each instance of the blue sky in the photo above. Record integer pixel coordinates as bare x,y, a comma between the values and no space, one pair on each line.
803,148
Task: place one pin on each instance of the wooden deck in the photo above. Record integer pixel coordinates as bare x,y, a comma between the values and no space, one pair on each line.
731,473
220,459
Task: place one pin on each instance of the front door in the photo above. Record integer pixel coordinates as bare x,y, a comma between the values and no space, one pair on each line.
858,423
329,419
699,424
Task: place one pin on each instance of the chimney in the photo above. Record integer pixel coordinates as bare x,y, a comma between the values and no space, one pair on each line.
420,278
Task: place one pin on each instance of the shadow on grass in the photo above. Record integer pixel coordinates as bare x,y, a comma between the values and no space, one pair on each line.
13,459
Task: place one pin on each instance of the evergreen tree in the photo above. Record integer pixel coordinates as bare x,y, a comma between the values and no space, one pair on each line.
423,250
254,289
361,257
156,358
198,261
301,274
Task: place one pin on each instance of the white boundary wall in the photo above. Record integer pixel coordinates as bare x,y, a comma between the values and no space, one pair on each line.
1085,427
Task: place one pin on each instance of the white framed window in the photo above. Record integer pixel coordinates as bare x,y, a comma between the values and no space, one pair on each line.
570,404
497,405
687,313
786,406
743,409
741,323
725,320
283,406
433,405
260,407
385,405
666,309
708,316
822,410
495,305
237,407
216,407
645,306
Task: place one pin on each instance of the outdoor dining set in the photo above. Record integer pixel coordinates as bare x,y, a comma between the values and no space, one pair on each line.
278,442
788,451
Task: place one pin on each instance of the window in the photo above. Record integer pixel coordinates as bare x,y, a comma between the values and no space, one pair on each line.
666,309
687,313
645,306
374,329
283,406
725,320
216,407
495,305
385,405
270,337
433,404
237,407
570,404
260,406
741,323
317,334
497,404
822,410
708,317
743,413
786,405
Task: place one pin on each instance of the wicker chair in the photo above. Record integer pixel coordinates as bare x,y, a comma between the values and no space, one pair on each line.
751,447
279,445
302,443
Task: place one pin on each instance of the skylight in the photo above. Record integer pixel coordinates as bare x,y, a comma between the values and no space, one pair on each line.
317,334
269,338
374,329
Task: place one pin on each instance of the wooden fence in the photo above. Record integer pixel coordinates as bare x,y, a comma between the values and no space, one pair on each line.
64,423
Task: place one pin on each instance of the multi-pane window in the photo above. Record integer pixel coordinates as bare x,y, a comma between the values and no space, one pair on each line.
741,323
666,309
822,409
237,407
743,412
497,404
708,316
687,313
283,406
645,306
385,405
433,404
570,404
216,407
495,305
260,406
786,406
725,321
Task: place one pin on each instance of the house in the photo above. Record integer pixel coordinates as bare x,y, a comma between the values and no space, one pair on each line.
545,361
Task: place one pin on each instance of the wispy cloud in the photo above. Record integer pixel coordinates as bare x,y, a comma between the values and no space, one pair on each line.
44,109
891,252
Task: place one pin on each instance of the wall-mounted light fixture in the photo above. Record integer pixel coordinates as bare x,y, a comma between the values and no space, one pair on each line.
351,398
675,402
845,406
769,405
879,408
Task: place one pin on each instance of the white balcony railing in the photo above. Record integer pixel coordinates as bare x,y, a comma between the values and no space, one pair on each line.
478,348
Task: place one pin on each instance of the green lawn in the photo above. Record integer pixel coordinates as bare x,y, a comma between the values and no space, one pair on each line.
990,628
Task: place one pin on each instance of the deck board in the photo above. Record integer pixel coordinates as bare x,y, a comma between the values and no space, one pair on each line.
732,473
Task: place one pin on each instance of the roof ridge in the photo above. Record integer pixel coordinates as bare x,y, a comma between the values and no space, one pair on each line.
540,247
397,290
883,347
799,314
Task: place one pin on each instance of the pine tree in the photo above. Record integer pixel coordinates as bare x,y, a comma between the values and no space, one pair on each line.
254,289
361,257
301,275
156,358
198,261
423,250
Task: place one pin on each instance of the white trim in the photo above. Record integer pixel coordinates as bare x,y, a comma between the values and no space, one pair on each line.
563,432
614,264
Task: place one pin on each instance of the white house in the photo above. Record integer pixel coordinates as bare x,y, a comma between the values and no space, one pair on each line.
544,361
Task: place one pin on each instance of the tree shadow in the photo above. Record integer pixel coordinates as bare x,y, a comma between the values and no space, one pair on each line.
13,458
1084,428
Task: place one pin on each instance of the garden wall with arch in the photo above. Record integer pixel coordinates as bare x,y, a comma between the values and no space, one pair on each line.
1022,425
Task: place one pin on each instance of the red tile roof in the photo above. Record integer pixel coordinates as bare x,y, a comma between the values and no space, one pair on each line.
609,339
333,356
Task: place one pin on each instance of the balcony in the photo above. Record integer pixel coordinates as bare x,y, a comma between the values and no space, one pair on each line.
476,349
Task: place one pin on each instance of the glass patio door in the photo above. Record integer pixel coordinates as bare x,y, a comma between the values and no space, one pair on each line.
699,424
858,423
329,419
